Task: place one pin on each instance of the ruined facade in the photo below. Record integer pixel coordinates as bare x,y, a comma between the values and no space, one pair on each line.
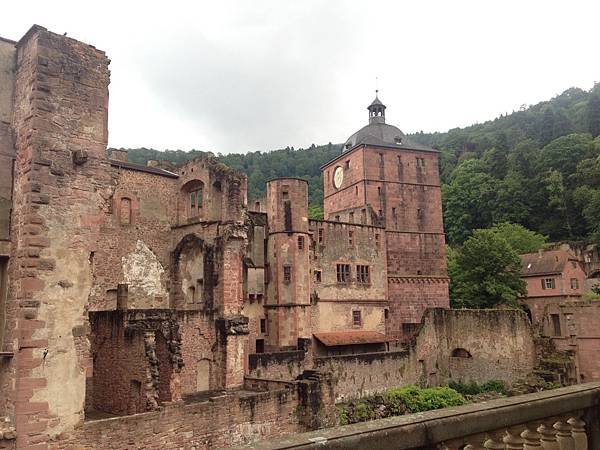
128,288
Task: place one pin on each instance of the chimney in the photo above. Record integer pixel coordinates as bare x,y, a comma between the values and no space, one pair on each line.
119,154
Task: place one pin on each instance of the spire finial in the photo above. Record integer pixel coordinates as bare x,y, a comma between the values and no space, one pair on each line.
376,86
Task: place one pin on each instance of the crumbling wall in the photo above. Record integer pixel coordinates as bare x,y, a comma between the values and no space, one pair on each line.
498,343
132,249
365,374
62,186
217,422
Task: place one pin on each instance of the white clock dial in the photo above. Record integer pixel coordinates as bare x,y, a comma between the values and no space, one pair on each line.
338,177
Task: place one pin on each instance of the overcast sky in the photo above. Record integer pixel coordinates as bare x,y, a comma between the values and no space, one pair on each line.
238,76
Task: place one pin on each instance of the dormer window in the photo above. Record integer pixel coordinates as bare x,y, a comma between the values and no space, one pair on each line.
398,140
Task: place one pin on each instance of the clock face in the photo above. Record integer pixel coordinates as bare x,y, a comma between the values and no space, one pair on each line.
338,177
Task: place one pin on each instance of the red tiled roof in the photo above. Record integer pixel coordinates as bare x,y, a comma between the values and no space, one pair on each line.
549,262
350,338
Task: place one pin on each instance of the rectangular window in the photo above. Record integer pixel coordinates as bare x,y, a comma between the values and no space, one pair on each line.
356,189
287,274
420,162
300,242
548,283
285,195
343,273
377,240
381,159
356,319
263,326
419,213
350,237
337,218
320,235
347,164
379,192
317,276
555,324
260,346
393,212
351,217
362,274
574,283
193,199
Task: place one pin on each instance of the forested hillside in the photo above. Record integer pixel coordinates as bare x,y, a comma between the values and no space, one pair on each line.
539,167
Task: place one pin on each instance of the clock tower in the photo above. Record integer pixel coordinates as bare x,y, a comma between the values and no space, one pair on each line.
382,178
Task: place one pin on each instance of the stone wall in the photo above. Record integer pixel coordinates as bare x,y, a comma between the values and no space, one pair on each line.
278,365
61,186
368,373
215,422
459,345
499,342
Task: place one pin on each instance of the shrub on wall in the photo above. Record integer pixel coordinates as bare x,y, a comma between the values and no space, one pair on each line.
398,401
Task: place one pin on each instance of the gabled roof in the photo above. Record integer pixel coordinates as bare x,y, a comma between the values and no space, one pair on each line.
334,338
545,262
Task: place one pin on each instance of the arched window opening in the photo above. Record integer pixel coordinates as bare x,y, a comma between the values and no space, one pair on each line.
192,195
460,353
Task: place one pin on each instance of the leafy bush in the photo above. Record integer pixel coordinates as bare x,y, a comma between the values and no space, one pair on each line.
473,388
415,399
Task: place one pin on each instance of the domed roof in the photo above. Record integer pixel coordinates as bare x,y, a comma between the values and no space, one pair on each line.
383,135
379,133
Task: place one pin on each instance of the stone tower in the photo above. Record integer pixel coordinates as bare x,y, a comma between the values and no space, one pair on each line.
288,295
383,178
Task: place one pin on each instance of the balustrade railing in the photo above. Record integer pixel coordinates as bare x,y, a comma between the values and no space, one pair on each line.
561,419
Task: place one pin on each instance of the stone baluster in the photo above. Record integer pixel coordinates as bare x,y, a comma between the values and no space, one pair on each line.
548,436
578,432
531,438
494,441
513,439
563,435
475,442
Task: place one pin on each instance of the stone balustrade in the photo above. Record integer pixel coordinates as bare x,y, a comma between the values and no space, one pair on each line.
561,419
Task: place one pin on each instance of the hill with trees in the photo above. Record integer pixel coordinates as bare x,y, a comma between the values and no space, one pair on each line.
538,167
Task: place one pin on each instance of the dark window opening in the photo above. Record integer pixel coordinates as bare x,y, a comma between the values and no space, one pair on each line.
351,236
320,235
318,278
555,324
356,319
460,353
343,273
263,326
300,242
377,240
363,274
260,346
574,283
287,274
347,164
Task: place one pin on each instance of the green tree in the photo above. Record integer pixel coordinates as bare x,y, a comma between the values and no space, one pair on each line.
468,200
520,239
485,272
593,112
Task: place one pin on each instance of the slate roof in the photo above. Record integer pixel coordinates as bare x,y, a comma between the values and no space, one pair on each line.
383,135
334,338
545,263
